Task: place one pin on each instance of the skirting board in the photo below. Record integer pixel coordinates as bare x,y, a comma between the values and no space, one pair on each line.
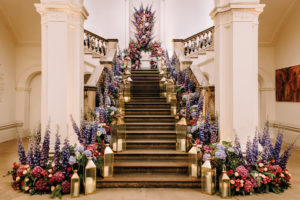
10,131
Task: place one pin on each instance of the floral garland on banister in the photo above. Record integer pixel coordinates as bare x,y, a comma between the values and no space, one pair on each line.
144,23
261,169
36,173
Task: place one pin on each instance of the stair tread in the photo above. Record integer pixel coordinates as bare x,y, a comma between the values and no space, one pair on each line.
147,103
149,177
152,116
147,109
151,163
151,152
151,123
145,141
150,131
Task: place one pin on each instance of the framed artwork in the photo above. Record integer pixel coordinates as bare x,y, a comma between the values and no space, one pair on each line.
288,84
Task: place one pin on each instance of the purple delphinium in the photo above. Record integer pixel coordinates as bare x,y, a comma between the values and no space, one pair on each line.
29,159
36,155
77,131
45,147
88,133
249,153
38,136
277,147
65,155
214,132
186,81
237,145
191,85
199,108
94,132
254,149
201,133
207,128
283,159
265,154
57,150
21,152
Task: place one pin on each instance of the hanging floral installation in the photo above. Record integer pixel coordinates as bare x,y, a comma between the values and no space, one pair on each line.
144,22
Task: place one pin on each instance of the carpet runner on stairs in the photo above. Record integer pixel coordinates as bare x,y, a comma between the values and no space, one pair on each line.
151,159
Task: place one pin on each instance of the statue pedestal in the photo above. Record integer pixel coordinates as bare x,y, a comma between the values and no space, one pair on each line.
145,60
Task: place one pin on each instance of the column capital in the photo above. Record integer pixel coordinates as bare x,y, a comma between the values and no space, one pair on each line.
237,11
58,10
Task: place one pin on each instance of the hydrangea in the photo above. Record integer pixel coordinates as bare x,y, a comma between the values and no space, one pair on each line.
87,153
38,172
65,187
59,177
248,187
72,160
40,186
242,171
220,154
221,147
205,156
79,149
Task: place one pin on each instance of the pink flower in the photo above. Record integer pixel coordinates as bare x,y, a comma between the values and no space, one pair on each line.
243,172
59,177
38,172
248,186
40,186
65,187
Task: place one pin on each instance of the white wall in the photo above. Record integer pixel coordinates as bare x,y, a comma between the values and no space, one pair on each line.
7,79
287,54
35,102
180,19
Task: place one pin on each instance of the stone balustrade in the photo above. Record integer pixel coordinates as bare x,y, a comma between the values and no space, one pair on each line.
95,43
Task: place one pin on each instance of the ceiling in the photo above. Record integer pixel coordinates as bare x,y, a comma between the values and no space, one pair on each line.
23,20
271,20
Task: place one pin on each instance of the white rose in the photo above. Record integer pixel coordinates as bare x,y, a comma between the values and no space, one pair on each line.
50,170
242,181
26,188
25,172
256,174
26,180
52,188
236,174
50,175
265,169
18,178
232,182
260,164
282,175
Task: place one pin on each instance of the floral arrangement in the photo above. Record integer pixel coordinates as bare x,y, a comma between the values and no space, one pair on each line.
35,174
257,171
144,23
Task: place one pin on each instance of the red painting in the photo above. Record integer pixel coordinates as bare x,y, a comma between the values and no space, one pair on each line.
288,84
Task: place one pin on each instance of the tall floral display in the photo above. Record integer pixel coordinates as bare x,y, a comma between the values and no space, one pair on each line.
143,21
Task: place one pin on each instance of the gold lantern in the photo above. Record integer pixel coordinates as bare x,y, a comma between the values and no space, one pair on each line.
121,104
173,104
162,84
224,184
127,89
108,165
90,177
169,89
118,135
208,177
181,135
75,183
199,158
193,162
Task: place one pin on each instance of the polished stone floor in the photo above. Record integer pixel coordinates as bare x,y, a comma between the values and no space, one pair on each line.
8,152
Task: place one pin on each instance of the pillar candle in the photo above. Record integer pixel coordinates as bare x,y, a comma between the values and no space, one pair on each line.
208,182
182,145
120,144
76,189
89,185
194,170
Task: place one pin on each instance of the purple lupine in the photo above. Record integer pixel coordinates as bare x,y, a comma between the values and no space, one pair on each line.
201,133
65,155
199,108
277,147
237,145
87,135
265,154
77,131
254,149
36,154
188,109
186,81
21,152
214,132
29,159
249,153
283,159
57,150
45,147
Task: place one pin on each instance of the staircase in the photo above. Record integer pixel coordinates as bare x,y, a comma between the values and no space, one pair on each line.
151,159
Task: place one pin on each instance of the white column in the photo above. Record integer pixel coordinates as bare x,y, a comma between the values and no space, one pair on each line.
236,52
62,64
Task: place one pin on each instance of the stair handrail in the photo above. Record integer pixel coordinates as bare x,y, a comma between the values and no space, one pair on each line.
197,42
94,42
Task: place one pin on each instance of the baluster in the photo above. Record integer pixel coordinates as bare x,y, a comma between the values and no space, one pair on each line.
84,39
100,46
193,43
104,48
209,38
201,41
198,43
88,41
190,48
205,40
185,48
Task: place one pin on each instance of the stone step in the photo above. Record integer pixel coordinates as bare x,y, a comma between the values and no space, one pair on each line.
144,87
150,126
149,79
146,75
151,144
145,94
151,180
138,166
144,82
150,118
150,134
148,105
152,111
135,92
148,99
151,155
133,72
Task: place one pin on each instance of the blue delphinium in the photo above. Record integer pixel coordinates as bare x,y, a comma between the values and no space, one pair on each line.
201,133
265,154
188,109
207,128
21,152
277,147
88,133
36,155
249,158
94,132
45,147
214,132
191,85
199,108
283,159
254,150
29,159
79,149
77,131
65,155
237,145
186,81
57,150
